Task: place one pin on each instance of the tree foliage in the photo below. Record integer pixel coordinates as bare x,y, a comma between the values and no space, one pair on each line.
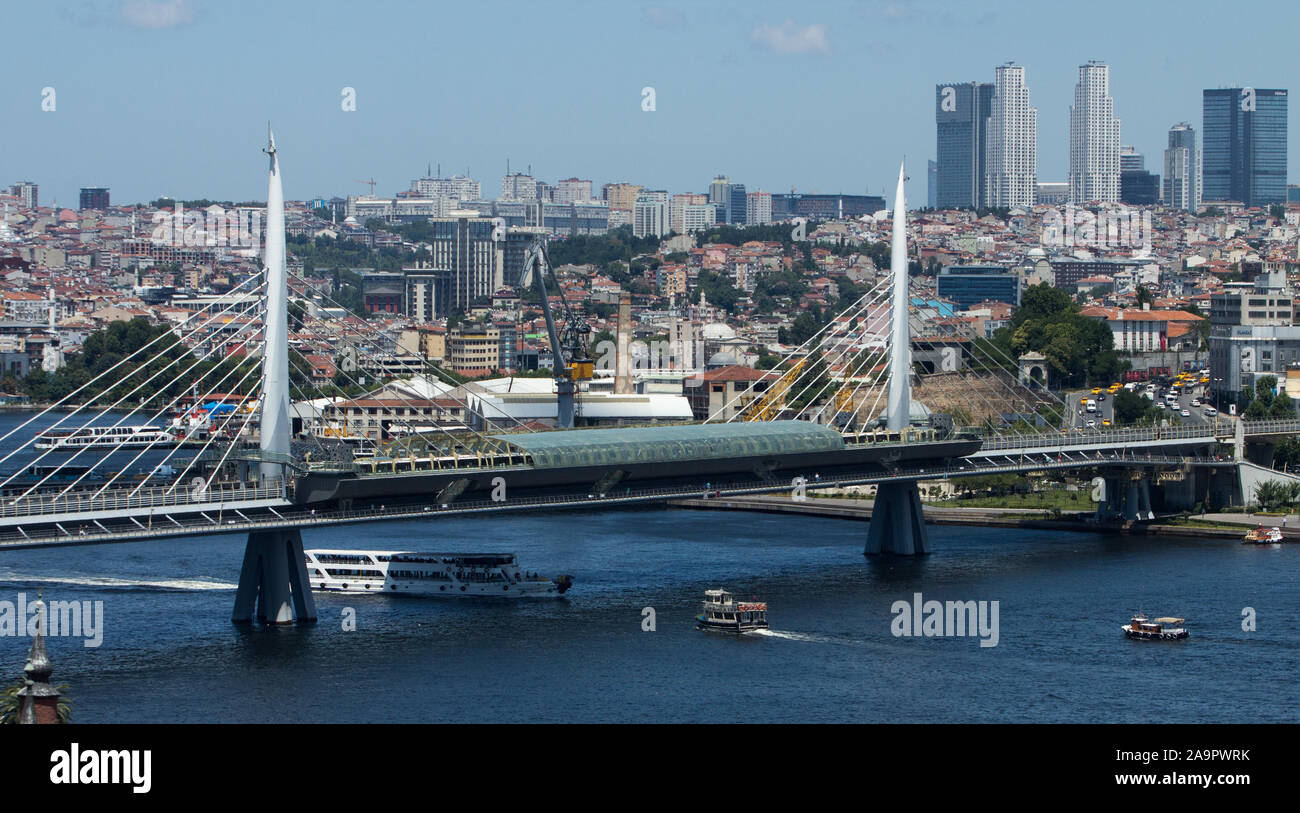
1262,402
1078,349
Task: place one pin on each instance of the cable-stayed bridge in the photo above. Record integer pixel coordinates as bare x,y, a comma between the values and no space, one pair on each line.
840,409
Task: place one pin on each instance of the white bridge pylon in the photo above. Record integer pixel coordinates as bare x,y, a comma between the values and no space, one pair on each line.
897,525
273,585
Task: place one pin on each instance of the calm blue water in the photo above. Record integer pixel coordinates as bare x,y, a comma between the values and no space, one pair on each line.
170,653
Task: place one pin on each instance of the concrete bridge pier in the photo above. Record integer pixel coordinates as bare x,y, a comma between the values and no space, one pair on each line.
1112,505
273,580
1138,497
1179,495
897,525
1128,495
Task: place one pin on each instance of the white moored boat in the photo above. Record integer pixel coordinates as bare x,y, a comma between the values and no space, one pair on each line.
105,437
428,574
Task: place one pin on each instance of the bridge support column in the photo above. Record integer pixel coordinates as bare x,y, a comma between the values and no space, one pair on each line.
897,525
273,580
1139,498
1179,495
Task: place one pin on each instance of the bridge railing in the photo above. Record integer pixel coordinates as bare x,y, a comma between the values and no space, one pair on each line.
1103,435
1272,427
37,505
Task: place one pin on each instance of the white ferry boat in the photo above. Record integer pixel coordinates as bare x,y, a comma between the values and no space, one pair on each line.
722,613
428,574
105,437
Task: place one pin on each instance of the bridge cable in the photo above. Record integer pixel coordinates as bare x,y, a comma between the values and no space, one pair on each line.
101,414
160,337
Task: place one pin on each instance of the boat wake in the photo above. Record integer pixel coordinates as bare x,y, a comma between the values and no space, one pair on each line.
112,583
803,636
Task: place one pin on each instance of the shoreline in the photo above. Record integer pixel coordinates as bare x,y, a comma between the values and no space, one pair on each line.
1034,518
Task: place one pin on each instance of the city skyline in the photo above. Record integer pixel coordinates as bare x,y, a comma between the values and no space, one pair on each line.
168,132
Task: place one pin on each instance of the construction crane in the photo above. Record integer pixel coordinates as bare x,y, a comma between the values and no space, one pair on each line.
371,183
570,358
769,405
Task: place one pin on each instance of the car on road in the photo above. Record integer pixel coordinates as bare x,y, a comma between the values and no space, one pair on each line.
1185,413
1211,411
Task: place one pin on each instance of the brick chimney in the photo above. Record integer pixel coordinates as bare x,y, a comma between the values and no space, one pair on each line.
623,362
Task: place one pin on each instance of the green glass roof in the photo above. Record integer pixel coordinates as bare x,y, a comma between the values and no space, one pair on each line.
654,444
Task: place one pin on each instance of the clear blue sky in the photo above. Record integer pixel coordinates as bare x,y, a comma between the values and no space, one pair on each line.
172,96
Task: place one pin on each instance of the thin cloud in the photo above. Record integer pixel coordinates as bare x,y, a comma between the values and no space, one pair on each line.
788,38
159,14
661,17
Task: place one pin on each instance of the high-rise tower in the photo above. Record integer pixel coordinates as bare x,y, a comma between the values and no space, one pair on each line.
961,127
1244,145
1182,181
1012,152
1094,138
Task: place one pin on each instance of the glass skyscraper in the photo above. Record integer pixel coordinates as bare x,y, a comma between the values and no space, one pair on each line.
1243,145
961,114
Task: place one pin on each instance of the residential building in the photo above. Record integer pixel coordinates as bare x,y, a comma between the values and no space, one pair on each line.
518,186
620,195
824,207
27,192
1141,330
94,197
758,208
723,393
473,349
573,190
1253,332
650,213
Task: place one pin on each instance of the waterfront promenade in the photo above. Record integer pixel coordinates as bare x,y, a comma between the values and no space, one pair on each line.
859,509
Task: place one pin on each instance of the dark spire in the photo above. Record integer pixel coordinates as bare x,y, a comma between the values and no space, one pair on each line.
38,698
39,668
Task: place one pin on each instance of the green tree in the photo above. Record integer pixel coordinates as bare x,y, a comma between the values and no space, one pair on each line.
1130,408
11,704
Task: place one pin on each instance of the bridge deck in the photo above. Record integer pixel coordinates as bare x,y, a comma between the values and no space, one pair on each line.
90,505
305,517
